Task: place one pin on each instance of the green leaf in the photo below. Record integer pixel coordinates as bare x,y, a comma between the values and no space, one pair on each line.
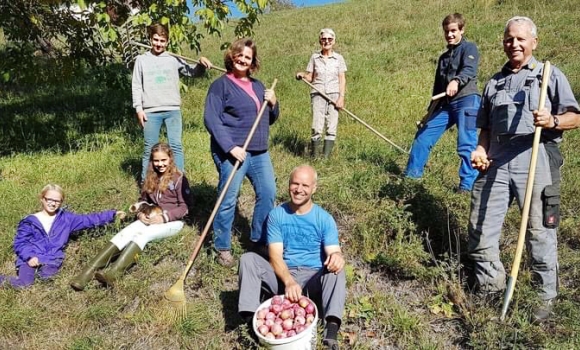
82,4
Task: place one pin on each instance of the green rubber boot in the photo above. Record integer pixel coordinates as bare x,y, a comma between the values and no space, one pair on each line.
127,258
315,148
328,145
102,259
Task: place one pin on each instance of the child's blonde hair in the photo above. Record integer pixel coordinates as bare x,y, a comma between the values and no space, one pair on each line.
51,187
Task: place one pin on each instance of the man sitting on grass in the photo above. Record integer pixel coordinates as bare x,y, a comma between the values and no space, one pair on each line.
305,257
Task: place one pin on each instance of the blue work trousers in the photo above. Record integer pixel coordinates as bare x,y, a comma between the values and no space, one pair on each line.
258,168
173,124
461,112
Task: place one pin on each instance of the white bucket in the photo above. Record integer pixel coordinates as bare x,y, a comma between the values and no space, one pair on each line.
305,340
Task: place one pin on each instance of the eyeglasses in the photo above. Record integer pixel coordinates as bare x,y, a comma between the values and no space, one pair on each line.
326,39
52,200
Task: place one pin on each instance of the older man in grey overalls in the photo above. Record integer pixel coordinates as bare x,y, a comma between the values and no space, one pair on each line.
507,119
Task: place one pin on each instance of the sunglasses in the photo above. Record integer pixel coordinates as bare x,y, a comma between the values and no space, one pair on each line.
327,39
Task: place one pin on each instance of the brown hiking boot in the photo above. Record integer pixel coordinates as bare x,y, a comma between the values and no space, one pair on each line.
225,258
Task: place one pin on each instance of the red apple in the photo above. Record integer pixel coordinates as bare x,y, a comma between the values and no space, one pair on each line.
277,300
299,320
276,308
276,329
261,314
285,314
288,324
263,329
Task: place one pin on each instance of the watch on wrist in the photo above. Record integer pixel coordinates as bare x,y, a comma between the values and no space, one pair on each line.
556,122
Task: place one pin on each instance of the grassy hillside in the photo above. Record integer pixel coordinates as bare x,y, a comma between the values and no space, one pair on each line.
405,241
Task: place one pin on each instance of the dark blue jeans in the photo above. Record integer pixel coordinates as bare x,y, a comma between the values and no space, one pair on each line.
258,168
461,112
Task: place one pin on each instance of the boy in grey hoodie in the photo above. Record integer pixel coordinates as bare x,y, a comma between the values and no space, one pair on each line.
156,98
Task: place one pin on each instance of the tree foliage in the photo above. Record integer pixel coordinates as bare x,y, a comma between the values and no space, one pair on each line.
101,31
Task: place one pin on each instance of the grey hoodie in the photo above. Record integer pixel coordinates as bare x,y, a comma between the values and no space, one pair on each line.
155,83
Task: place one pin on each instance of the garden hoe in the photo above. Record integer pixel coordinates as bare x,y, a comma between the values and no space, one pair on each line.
511,282
435,100
355,117
176,294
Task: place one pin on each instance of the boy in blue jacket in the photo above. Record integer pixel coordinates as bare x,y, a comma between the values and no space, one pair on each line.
456,76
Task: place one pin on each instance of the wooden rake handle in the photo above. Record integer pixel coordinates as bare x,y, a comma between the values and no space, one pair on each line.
224,190
511,283
355,117
431,109
178,56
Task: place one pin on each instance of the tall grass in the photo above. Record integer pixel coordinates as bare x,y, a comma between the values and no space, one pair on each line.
404,240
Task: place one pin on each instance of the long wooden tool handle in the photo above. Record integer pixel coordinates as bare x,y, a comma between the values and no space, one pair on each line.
438,96
432,107
225,189
176,55
511,283
356,118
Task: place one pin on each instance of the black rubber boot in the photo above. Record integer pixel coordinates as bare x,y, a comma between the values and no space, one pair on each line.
328,145
127,258
315,148
102,259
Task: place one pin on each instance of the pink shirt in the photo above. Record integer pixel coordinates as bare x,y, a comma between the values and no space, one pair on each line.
245,85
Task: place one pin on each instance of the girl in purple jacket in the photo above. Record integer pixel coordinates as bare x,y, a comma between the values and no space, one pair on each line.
42,237
165,187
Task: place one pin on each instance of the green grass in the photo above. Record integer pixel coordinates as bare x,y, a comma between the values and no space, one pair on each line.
75,127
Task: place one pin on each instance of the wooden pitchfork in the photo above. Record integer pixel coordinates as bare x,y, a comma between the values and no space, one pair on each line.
354,116
511,282
176,295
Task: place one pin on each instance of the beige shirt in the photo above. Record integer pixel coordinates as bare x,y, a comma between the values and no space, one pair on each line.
325,71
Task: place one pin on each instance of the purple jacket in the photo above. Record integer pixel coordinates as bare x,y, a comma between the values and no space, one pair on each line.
31,240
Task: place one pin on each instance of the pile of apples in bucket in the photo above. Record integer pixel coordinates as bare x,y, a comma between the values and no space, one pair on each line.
285,319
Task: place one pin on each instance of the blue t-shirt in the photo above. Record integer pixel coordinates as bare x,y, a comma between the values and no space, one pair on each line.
303,236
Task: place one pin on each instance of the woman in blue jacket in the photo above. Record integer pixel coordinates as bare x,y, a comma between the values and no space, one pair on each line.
42,237
231,106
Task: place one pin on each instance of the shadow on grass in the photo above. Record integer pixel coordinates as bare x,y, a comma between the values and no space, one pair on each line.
291,142
204,200
66,116
132,167
428,215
